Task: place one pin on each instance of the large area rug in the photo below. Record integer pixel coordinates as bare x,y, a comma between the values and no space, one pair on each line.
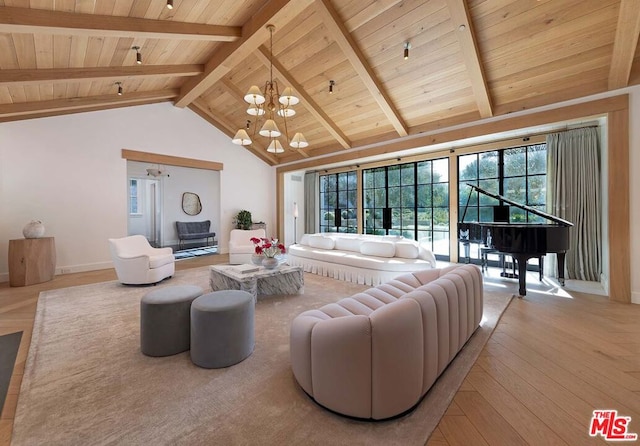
86,382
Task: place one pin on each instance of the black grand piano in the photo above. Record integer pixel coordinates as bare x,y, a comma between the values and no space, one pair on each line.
521,241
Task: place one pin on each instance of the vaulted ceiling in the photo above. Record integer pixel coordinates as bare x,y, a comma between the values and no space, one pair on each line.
468,59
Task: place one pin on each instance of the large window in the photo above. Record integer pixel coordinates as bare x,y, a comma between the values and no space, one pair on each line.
519,174
338,202
411,200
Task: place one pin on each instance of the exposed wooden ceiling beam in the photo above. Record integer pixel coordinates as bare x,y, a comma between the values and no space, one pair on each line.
624,46
307,101
239,96
26,20
254,33
355,56
79,110
25,109
64,75
464,30
156,158
227,128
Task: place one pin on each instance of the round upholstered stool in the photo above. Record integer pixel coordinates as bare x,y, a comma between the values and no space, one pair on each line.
222,328
165,320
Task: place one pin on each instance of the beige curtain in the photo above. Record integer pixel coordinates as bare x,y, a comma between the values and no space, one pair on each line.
574,194
310,198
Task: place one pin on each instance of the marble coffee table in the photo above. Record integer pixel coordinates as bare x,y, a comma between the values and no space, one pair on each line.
283,279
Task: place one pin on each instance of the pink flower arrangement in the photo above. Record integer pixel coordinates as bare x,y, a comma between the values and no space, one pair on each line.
268,247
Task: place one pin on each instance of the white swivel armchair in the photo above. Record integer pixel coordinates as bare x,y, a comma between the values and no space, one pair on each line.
137,262
241,247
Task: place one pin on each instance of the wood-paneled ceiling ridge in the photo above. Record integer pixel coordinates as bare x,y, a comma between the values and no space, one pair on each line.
468,60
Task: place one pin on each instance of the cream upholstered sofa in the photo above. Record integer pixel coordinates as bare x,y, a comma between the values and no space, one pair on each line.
137,262
240,246
377,353
359,258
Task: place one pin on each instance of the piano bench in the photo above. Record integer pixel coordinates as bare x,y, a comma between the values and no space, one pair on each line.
484,263
484,251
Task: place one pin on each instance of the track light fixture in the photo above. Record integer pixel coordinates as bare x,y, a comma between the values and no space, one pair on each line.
407,46
331,84
138,55
169,4
119,84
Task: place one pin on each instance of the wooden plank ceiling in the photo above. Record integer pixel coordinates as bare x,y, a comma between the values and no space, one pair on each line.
468,59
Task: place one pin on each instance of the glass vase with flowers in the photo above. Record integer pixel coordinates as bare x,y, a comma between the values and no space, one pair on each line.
268,248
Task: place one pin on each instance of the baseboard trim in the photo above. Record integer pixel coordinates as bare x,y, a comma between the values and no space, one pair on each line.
4,277
83,268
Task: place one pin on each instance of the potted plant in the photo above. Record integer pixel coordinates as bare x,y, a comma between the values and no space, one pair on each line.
243,220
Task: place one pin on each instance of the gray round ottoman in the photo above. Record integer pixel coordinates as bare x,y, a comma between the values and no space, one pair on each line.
222,328
165,320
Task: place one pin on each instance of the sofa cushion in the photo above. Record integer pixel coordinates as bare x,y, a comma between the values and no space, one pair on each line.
156,261
304,240
320,241
347,244
407,250
378,249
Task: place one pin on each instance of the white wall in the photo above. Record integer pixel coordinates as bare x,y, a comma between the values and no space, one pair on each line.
68,172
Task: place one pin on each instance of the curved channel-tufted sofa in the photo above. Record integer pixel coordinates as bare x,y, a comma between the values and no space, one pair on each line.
376,354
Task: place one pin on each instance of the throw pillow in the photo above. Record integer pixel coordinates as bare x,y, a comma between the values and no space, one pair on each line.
378,249
320,241
407,250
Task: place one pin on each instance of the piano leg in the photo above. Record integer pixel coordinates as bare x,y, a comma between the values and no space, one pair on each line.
522,273
560,257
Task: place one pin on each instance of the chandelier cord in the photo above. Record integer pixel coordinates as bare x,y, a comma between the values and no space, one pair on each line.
271,57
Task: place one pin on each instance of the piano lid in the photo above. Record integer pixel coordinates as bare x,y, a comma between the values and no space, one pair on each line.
553,218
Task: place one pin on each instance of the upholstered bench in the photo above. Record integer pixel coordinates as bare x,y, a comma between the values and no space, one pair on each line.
165,320
377,353
222,328
194,230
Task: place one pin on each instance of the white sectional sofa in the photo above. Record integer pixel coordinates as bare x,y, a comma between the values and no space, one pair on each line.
358,258
377,353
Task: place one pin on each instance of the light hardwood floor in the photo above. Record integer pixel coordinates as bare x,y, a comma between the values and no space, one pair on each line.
551,362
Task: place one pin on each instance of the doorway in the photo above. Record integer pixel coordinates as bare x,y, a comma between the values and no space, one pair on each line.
145,209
